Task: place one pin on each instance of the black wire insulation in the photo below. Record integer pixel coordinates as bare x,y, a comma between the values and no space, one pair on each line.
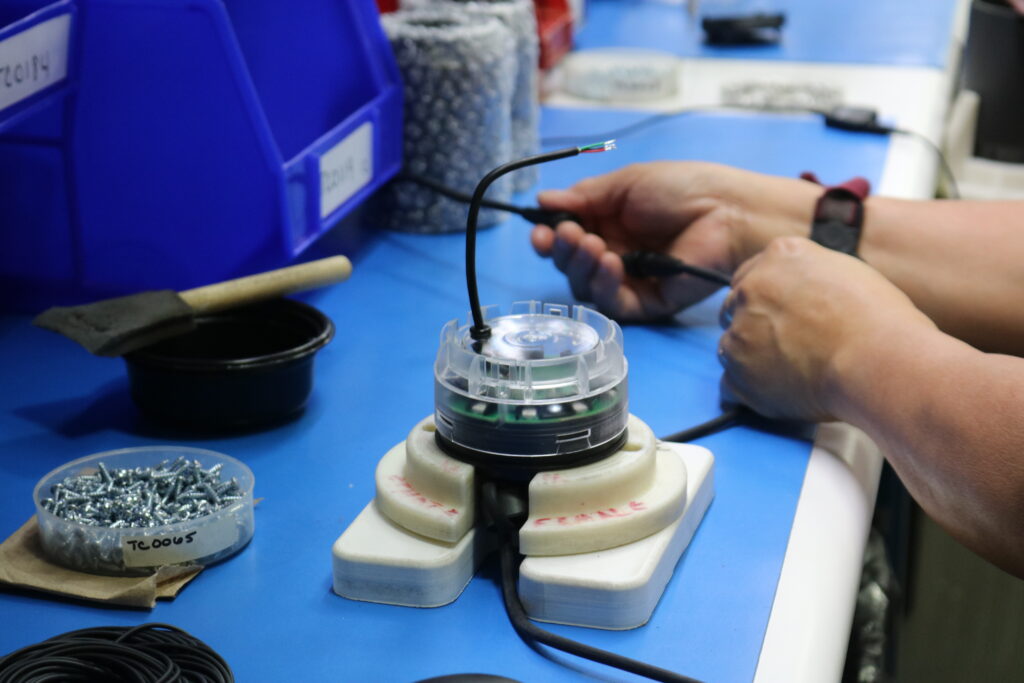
480,330
148,653
727,419
451,192
657,264
550,217
528,630
833,118
653,119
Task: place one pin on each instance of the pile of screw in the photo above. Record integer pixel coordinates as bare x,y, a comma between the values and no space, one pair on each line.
109,503
142,496
768,95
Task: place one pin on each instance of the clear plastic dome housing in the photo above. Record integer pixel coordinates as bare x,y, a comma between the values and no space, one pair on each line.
549,383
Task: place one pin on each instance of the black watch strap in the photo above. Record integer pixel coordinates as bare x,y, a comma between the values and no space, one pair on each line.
839,215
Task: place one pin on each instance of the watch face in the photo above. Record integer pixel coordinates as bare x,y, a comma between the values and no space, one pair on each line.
836,235
838,217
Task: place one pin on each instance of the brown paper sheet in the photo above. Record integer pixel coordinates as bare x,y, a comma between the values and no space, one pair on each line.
23,564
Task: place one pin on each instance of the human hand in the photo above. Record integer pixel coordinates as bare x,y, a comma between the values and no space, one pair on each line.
704,214
798,320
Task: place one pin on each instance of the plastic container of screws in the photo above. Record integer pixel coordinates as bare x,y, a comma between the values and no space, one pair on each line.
130,511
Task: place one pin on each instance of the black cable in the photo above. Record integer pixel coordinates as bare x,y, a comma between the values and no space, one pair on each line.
480,330
653,119
551,217
528,630
148,653
865,120
657,264
637,263
855,119
451,192
712,426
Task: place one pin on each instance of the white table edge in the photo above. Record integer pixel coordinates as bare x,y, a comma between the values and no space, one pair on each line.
809,625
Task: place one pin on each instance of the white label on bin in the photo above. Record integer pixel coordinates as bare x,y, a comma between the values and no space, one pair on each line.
150,551
346,168
34,59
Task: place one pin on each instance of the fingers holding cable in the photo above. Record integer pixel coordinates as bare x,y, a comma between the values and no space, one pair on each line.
595,273
741,353
583,265
580,255
734,387
559,244
574,249
783,324
737,295
751,350
549,241
728,310
744,268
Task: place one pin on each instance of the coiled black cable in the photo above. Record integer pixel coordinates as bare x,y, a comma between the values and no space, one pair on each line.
148,653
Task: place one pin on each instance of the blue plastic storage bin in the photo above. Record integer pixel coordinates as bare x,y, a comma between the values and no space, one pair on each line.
189,141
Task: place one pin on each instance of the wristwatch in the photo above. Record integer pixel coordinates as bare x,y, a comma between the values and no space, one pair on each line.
839,214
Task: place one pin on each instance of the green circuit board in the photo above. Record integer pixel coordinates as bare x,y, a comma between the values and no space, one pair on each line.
535,413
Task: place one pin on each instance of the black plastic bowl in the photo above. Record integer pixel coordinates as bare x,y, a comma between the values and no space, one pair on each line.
240,368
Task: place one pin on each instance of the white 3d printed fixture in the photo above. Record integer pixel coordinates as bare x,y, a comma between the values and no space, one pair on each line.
542,400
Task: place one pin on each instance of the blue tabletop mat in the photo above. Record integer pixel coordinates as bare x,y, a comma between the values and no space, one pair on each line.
893,32
270,611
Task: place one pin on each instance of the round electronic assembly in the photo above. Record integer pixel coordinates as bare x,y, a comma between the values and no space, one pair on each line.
546,390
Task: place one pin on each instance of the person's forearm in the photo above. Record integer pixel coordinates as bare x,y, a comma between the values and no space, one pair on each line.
961,262
947,417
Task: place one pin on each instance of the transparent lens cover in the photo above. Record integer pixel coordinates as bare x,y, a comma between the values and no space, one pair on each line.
550,380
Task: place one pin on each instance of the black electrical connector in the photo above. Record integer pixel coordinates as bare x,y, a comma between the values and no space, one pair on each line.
749,29
856,119
656,264
549,217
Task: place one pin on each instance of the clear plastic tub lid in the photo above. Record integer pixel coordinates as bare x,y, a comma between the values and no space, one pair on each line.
537,353
621,74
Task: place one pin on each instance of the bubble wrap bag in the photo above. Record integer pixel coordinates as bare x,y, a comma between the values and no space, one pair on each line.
521,19
458,70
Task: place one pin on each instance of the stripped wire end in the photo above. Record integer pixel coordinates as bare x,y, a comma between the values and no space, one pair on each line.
605,146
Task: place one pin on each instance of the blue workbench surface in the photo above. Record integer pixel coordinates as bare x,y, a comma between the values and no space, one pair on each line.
889,32
270,610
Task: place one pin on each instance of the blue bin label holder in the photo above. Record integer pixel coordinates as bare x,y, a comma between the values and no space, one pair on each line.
193,108
346,168
33,58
